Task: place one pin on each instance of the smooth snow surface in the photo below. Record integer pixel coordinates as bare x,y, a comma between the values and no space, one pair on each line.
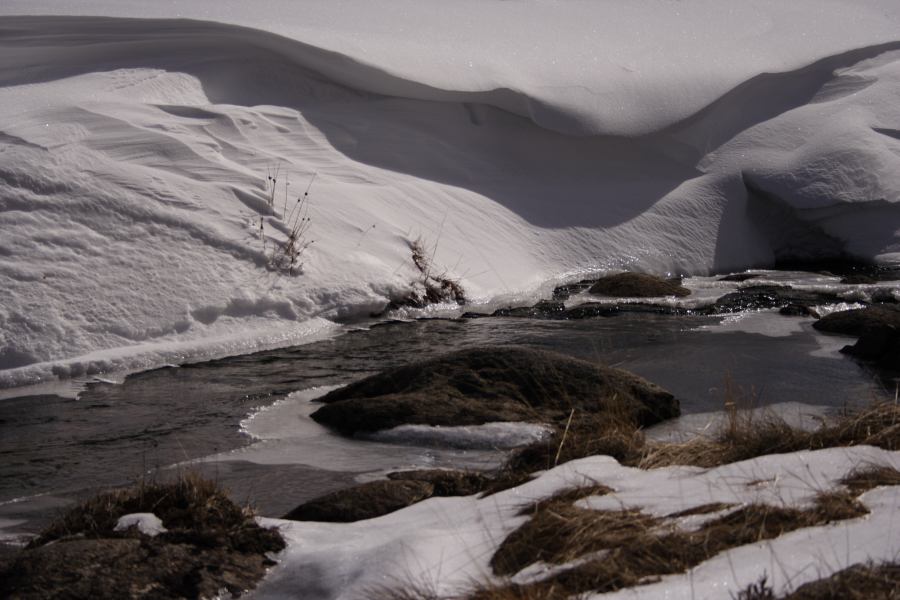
444,545
521,142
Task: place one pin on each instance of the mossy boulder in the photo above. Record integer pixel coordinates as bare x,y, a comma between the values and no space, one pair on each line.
489,384
637,285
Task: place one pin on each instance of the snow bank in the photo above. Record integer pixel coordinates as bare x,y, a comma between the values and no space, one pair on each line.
665,136
445,544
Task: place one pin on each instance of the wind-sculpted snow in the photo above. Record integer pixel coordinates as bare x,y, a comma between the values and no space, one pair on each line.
521,141
617,68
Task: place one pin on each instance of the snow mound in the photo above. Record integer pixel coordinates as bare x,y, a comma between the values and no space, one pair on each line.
682,137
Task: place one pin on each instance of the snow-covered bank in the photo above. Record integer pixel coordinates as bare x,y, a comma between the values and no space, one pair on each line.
670,137
444,545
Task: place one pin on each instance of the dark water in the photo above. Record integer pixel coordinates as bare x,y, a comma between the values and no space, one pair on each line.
54,449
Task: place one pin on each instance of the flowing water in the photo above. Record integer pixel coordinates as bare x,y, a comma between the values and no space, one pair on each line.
54,449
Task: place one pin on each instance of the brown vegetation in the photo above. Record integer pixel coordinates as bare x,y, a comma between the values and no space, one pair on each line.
859,582
639,548
743,437
493,383
210,544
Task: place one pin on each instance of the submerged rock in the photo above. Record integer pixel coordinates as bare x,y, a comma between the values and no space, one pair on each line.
501,383
637,285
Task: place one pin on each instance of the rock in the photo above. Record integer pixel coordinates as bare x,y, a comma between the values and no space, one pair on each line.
365,501
128,568
760,297
637,285
501,383
376,498
858,321
446,482
798,310
739,277
564,292
204,543
879,344
545,309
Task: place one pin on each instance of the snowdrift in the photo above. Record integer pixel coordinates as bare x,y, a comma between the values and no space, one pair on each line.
518,142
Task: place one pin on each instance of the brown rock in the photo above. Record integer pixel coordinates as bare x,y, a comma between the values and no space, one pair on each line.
365,501
637,285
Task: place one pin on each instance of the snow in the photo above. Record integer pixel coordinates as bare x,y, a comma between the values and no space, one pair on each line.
146,523
672,137
445,544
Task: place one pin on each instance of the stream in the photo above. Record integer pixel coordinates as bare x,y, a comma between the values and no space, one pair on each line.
244,420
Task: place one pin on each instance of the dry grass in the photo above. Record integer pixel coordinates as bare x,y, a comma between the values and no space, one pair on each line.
867,478
703,509
562,533
601,551
566,496
639,548
193,510
746,437
859,582
743,437
210,547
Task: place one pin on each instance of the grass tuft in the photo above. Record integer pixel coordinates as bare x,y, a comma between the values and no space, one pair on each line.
193,510
639,548
865,479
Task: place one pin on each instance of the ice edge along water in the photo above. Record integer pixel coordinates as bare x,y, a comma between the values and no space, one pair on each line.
134,153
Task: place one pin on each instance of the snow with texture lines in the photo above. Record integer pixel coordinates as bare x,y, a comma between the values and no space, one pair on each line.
523,142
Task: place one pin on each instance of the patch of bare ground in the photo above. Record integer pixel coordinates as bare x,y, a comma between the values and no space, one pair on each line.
210,544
